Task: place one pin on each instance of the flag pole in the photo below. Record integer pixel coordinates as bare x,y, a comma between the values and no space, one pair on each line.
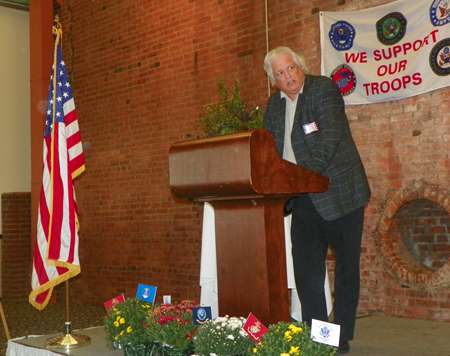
67,303
68,339
5,325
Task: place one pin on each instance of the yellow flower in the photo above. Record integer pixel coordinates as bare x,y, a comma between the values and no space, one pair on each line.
287,336
121,333
295,329
284,354
116,324
129,329
122,320
294,350
255,350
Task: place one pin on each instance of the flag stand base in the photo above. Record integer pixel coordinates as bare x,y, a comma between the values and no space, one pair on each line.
68,340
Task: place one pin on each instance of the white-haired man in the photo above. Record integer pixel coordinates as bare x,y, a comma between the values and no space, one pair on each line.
308,121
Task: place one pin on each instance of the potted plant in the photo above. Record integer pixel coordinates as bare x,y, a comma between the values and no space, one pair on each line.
223,336
171,327
290,339
125,327
230,114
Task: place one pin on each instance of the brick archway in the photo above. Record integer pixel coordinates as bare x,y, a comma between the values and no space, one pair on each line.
393,252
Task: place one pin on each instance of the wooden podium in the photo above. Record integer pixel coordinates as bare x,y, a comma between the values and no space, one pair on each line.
247,182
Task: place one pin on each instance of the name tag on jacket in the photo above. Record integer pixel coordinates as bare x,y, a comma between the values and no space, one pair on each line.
310,128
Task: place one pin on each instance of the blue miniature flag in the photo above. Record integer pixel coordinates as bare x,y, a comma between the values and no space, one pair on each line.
201,315
146,293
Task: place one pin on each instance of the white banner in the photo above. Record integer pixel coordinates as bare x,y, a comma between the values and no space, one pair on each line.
389,52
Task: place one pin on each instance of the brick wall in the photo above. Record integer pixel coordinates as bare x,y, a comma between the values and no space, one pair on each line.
403,286
16,249
143,70
422,225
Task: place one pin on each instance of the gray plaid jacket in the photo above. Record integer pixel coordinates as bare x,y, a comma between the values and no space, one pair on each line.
329,151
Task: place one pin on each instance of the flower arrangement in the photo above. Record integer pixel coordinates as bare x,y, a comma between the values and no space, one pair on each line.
172,327
223,336
145,329
230,114
125,323
290,339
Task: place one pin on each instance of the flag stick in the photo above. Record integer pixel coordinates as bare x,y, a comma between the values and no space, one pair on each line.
67,340
67,303
5,326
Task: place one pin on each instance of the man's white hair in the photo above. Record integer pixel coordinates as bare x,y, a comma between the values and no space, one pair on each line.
279,51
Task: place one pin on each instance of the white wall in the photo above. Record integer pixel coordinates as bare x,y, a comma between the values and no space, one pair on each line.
15,146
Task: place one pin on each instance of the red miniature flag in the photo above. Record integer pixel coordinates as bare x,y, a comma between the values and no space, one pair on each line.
254,328
110,303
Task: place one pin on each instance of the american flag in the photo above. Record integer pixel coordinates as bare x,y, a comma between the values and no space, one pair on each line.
55,257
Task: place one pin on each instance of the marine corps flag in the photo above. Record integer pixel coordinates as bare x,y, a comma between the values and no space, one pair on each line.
55,257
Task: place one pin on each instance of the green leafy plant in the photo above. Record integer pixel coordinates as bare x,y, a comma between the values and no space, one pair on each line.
172,327
223,336
125,323
230,114
291,339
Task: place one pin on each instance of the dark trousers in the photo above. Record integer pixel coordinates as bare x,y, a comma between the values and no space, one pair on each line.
311,237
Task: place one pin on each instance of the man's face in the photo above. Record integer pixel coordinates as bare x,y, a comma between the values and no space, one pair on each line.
289,77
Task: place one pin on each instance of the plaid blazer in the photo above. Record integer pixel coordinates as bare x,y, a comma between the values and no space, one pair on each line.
329,151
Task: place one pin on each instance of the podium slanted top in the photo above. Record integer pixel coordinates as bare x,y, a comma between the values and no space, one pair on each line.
237,166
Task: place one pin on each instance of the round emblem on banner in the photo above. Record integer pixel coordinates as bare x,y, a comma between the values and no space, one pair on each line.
345,78
342,35
440,58
439,13
391,28
201,314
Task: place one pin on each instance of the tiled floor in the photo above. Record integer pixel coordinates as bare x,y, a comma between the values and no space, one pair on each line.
23,319
387,336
